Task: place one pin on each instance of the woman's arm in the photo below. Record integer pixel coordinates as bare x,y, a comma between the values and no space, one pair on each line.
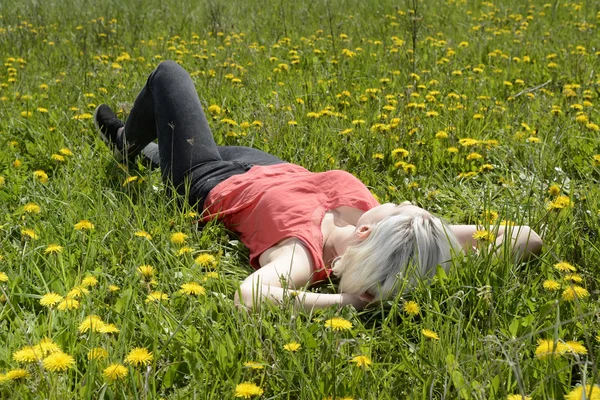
524,242
287,268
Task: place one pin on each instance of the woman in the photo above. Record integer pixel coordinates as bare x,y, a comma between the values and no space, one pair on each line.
299,226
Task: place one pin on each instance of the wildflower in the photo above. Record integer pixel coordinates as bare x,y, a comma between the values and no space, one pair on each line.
559,203
588,392
593,127
3,277
113,288
192,288
115,371
550,284
50,299
338,324
430,334
3,180
146,270
574,292
58,361
517,397
205,260
143,234
474,156
129,179
361,361
554,190
564,266
572,347
411,308
84,224
400,152
441,135
108,328
178,237
214,109
53,249
46,346
27,354
31,208
596,162
16,374
57,157
184,250
210,275
466,142
484,235
546,348
292,346
65,152
68,304
89,281
90,323
486,168
156,297
29,233
139,356
77,292
573,278
97,353
81,117
247,390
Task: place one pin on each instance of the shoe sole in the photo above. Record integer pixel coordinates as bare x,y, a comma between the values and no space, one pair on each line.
116,152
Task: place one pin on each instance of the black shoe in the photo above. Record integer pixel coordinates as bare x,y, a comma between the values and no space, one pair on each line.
108,125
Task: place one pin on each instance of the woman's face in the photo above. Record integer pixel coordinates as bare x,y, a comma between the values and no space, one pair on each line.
379,213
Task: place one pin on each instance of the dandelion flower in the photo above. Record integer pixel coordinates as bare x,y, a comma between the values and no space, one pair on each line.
573,292
485,236
253,365
130,179
430,334
27,354
573,278
77,292
247,390
292,346
90,323
546,348
97,353
554,190
143,234
32,208
65,152
517,397
411,308
89,281
46,346
146,270
114,372
50,299
40,176
588,392
192,288
572,347
205,260
16,374
53,249
361,361
338,324
139,356
113,288
184,250
30,233
550,284
156,297
178,238
108,328
564,266
68,304
58,362
83,225
3,277
559,203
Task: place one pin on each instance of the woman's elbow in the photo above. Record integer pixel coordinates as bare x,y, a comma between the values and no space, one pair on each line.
532,241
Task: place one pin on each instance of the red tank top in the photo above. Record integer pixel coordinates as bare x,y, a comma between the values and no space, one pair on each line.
270,203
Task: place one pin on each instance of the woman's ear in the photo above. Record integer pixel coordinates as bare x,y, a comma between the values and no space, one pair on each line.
363,232
366,297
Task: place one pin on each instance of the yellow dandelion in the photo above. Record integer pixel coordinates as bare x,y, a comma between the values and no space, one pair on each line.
83,225
47,346
77,292
430,334
115,371
484,236
588,392
89,281
574,292
546,348
248,390
554,190
108,328
40,176
564,266
178,238
3,277
146,270
68,304
550,284
27,354
338,324
573,278
571,347
65,152
192,288
53,249
143,234
292,346
361,361
210,275
517,397
559,203
91,323
184,250
16,374
50,299
253,365
411,308
205,260
83,116
139,356
130,179
156,297
113,288
97,353
57,157
59,361
32,208
30,233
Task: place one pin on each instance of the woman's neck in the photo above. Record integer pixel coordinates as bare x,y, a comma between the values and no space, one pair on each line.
337,236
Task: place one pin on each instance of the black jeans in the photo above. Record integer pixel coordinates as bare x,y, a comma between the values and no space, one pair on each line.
168,108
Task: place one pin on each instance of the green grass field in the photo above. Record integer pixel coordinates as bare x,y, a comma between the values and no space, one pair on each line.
480,112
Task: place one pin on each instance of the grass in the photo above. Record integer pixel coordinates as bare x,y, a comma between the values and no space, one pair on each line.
384,90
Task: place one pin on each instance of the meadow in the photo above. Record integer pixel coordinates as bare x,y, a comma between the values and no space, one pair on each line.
482,112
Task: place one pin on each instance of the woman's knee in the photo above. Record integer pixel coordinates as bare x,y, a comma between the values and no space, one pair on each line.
169,68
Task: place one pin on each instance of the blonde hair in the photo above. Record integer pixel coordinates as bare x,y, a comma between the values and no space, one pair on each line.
399,251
